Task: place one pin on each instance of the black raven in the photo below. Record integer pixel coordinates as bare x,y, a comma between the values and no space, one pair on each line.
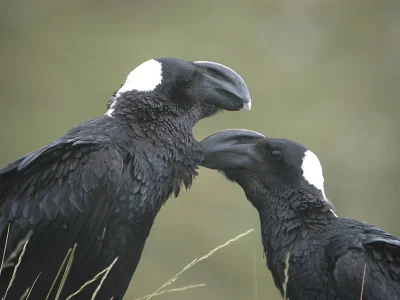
330,257
102,184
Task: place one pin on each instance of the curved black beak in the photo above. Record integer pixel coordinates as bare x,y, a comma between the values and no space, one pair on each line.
223,87
231,149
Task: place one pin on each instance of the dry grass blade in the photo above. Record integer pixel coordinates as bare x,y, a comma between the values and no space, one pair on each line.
58,273
363,281
104,278
66,272
5,247
197,260
8,262
33,286
286,274
15,269
92,280
181,289
25,294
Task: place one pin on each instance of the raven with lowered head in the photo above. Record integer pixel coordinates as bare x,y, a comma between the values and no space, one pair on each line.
101,185
330,258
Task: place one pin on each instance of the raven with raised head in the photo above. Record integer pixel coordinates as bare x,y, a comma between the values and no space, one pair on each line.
330,258
101,185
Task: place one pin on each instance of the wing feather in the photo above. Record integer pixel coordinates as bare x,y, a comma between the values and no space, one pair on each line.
373,268
63,193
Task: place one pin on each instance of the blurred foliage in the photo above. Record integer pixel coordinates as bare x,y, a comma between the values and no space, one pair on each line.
324,73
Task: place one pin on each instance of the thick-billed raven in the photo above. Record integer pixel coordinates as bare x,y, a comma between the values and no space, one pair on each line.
330,257
102,184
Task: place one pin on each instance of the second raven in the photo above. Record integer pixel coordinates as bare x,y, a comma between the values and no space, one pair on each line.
311,252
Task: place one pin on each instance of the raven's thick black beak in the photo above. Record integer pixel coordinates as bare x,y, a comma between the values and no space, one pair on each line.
231,149
223,87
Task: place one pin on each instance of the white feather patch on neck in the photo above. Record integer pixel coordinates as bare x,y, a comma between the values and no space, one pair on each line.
144,78
312,171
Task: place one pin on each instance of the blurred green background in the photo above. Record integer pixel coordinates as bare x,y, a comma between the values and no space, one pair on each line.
324,73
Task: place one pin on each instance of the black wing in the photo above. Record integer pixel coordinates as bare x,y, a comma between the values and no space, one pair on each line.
373,268
62,192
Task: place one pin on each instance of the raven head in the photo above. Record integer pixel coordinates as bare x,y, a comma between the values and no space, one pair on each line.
176,87
263,165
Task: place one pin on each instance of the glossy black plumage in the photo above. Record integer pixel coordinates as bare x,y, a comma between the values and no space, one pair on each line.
328,253
102,184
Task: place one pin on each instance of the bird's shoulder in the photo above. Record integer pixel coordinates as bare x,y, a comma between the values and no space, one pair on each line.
357,234
58,159
86,143
365,258
64,178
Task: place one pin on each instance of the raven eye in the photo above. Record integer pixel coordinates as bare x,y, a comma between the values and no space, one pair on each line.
275,154
185,83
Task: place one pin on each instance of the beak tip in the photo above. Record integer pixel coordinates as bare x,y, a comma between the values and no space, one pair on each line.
246,105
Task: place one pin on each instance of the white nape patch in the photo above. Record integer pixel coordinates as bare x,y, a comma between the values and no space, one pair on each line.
312,171
109,113
111,109
144,78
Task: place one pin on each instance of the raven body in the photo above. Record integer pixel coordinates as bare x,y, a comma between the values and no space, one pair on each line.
330,258
102,184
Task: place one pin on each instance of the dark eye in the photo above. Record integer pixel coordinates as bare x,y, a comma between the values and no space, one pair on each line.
185,83
275,154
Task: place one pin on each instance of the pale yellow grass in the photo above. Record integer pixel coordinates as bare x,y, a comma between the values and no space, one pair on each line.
194,262
68,261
